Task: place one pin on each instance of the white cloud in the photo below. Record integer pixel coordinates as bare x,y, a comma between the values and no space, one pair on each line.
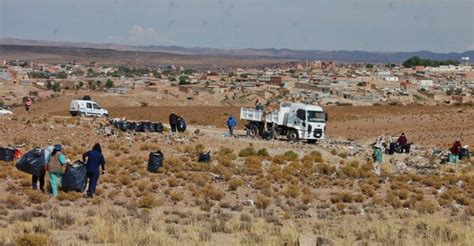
141,35
146,35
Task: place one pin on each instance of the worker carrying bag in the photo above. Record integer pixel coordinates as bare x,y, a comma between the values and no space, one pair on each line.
33,162
75,177
155,161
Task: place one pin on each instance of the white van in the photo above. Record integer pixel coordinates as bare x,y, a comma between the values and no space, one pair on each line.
87,108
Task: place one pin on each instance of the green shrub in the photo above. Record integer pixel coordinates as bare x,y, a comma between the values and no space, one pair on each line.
32,240
249,151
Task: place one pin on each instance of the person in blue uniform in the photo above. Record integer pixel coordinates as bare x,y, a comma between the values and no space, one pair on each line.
93,159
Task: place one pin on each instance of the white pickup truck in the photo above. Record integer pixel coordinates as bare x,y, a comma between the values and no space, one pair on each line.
296,121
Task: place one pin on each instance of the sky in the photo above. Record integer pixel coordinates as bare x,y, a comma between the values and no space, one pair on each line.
370,25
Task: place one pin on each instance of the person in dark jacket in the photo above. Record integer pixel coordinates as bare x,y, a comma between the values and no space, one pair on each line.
35,179
455,151
173,122
403,143
231,123
93,160
402,140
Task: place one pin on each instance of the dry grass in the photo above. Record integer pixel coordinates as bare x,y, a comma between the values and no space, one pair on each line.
326,169
292,191
212,192
31,239
13,202
262,201
36,197
147,201
252,165
426,206
176,196
69,196
235,183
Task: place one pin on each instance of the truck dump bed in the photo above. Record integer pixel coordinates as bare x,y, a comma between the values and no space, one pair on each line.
251,114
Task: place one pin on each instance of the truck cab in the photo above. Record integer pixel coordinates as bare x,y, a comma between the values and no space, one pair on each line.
306,122
86,108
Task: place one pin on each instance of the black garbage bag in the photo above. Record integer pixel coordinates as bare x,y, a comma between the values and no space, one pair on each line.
155,161
464,154
75,177
33,162
7,154
152,127
267,135
148,126
116,123
205,157
131,126
181,124
139,127
120,125
126,126
158,127
392,148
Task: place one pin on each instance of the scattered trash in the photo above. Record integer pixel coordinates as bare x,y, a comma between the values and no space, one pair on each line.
400,167
249,203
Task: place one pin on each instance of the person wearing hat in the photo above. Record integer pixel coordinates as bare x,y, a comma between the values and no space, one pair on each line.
377,155
55,169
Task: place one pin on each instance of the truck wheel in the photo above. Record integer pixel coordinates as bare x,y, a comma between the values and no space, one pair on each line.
312,141
253,131
293,136
83,115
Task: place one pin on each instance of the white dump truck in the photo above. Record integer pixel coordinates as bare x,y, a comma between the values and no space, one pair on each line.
296,121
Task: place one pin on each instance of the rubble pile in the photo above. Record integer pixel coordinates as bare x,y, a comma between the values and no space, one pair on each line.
181,138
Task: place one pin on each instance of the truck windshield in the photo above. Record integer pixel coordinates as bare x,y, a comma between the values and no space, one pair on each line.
316,116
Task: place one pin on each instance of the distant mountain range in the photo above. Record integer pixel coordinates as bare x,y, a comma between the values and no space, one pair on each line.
288,54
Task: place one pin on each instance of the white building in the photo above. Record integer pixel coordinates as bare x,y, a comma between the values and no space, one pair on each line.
390,78
426,83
